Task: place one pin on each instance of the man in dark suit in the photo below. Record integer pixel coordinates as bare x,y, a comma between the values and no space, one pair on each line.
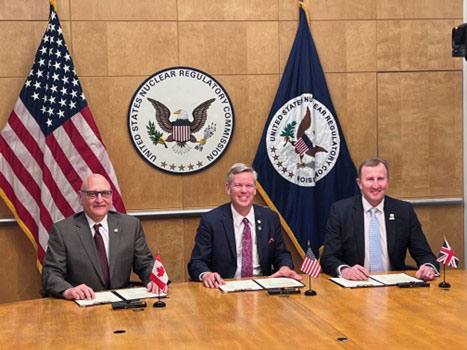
82,258
239,239
349,250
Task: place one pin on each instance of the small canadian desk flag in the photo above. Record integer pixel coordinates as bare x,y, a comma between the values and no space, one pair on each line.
159,275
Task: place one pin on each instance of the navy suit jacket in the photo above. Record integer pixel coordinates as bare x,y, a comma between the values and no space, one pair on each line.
71,258
344,241
215,248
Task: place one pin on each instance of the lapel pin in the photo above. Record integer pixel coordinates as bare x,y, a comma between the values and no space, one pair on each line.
271,240
115,229
392,217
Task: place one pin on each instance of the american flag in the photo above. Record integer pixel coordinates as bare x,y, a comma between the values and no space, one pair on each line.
447,255
310,264
50,143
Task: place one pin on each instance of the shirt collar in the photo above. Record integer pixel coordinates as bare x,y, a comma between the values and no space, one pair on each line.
103,223
367,206
237,218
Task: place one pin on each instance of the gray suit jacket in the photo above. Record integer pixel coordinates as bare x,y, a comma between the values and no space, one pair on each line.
71,258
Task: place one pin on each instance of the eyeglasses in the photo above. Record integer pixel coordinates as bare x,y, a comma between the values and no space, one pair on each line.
95,194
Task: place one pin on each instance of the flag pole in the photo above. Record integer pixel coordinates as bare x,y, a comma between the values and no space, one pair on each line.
159,302
310,292
444,284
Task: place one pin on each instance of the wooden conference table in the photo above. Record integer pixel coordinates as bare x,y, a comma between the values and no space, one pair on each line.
199,318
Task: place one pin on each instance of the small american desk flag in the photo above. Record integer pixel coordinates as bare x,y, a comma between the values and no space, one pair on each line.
310,264
159,274
447,255
50,143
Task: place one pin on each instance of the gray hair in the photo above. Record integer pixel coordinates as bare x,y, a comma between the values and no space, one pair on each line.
238,168
372,162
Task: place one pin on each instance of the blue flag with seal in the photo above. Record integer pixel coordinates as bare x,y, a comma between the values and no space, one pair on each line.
302,160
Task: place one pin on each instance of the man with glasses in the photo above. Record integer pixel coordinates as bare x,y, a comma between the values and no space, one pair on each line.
95,249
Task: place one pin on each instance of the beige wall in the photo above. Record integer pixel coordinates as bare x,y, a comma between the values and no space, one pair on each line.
395,86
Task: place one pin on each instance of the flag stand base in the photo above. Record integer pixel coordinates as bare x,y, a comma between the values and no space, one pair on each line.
159,304
310,293
444,285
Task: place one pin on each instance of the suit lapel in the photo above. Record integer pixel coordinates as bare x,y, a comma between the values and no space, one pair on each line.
114,241
261,232
227,222
389,218
85,236
359,226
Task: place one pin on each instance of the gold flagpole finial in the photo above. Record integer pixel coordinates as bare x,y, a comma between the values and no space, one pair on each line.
305,8
54,4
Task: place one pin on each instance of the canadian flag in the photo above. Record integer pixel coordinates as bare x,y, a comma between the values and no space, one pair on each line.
159,275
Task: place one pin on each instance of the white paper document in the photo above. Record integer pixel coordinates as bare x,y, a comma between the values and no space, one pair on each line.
137,293
105,297
395,278
383,280
239,286
279,282
356,284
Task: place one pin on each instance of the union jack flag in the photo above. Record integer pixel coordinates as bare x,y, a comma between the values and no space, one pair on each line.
447,255
310,264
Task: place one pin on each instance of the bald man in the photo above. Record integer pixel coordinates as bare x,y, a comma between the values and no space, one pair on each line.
95,249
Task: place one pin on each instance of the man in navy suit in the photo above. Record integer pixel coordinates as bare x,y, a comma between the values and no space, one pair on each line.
239,239
347,251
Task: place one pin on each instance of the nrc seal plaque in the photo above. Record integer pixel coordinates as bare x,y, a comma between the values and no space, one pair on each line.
180,120
303,141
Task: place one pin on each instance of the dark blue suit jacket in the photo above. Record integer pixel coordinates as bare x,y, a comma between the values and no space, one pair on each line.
344,241
215,248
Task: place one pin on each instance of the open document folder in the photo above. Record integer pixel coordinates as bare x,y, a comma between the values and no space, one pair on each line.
377,281
119,295
260,284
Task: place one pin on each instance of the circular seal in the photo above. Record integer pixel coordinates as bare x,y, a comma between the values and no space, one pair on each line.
303,140
180,120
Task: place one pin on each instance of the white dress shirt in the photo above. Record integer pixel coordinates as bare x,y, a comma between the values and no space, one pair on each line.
103,230
238,229
382,233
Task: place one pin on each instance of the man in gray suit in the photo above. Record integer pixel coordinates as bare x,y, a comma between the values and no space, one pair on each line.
95,249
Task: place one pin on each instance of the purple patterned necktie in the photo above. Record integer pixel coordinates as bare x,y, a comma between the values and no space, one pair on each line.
102,254
247,255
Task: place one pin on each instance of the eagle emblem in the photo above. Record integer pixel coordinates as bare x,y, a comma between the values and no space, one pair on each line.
303,143
180,126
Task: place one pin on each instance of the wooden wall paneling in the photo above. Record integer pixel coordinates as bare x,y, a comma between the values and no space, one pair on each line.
439,222
420,132
206,10
127,48
409,9
20,277
166,237
354,98
19,41
345,46
154,10
416,45
32,10
229,47
325,10
287,30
